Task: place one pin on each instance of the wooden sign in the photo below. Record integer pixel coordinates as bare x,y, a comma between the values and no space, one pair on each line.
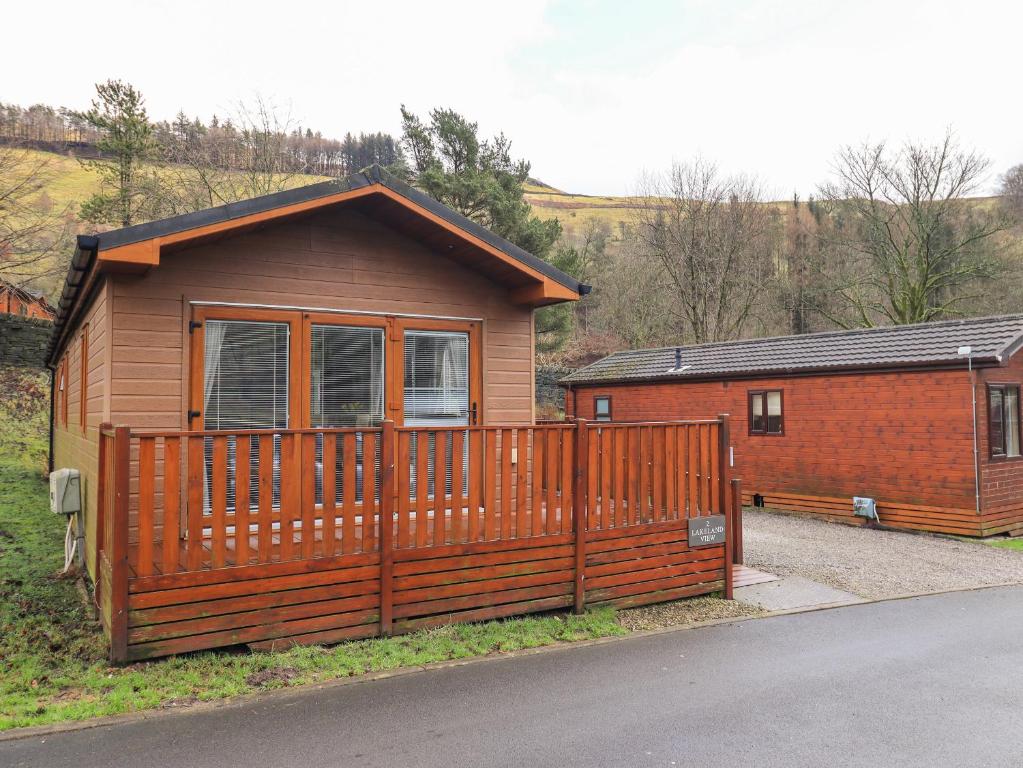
706,530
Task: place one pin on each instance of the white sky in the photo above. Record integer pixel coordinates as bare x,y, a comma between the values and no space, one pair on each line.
592,93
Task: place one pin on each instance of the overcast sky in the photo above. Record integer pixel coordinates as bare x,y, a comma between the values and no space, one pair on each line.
592,93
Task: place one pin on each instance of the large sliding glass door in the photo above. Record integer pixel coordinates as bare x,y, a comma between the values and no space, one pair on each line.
281,369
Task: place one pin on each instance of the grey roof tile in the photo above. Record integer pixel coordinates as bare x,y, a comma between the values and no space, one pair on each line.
990,339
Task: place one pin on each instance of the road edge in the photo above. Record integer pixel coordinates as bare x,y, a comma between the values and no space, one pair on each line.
32,731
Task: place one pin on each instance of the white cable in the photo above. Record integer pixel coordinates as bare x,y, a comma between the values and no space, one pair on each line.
70,545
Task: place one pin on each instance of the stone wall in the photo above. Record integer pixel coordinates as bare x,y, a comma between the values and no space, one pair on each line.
549,396
23,341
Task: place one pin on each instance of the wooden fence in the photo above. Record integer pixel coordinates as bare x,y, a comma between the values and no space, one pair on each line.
212,538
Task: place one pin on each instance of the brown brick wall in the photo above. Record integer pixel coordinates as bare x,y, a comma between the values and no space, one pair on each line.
903,438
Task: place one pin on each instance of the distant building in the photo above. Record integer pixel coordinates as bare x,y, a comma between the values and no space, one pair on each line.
23,302
924,419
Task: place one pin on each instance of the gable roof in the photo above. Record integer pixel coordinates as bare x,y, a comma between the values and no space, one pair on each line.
372,191
991,339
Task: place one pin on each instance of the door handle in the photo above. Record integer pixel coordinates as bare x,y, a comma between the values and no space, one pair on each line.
472,413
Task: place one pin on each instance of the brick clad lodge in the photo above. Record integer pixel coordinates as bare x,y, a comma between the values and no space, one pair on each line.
883,413
24,303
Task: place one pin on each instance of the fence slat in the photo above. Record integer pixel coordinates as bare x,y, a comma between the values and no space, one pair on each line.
369,477
705,450
507,505
440,468
522,519
593,478
457,484
693,468
171,503
329,491
403,470
539,438
657,473
242,478
605,477
307,474
289,492
266,498
670,503
553,451
422,488
475,483
348,491
147,492
218,502
567,479
490,488
194,512
620,459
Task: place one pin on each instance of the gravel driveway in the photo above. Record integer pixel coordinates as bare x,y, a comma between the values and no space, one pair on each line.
872,563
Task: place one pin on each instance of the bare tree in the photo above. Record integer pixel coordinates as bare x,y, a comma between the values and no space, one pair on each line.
245,157
33,232
712,238
1011,190
909,244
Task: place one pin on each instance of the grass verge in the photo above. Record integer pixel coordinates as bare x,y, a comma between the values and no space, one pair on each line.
1016,544
52,655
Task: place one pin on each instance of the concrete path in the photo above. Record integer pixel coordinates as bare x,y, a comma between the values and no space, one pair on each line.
922,682
792,592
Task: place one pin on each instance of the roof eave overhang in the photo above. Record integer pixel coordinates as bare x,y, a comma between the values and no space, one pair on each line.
145,253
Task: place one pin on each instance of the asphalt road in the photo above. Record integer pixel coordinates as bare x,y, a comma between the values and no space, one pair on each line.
934,681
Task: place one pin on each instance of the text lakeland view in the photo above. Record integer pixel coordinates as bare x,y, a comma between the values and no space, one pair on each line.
706,530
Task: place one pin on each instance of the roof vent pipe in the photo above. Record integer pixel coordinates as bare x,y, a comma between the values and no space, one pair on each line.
678,358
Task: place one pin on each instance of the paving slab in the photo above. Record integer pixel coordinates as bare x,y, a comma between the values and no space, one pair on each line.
793,592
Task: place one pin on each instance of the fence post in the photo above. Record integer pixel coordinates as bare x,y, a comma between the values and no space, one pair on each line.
101,512
737,521
118,555
386,538
579,502
724,455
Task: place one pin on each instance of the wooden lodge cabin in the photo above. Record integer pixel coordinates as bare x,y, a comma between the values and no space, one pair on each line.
23,302
885,413
309,417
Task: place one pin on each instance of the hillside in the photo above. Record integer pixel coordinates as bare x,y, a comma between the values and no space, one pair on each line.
71,183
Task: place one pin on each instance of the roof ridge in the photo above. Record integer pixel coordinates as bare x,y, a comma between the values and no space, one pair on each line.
822,334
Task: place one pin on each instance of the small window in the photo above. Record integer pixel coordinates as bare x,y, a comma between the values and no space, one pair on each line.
602,408
1003,420
83,379
765,412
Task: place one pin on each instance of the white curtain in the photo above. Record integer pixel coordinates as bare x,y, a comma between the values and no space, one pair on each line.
213,343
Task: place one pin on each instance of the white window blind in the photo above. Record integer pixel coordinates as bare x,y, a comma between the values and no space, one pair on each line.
436,392
245,386
436,378
346,390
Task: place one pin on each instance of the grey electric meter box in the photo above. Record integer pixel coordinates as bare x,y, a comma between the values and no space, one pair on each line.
65,492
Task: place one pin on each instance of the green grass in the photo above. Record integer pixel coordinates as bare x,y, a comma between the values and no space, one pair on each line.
1016,544
52,655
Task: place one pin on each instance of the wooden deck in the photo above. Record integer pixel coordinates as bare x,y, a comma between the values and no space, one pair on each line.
744,576
563,516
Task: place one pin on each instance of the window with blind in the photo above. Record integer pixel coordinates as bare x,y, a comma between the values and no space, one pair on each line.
436,392
765,412
245,386
346,390
1003,424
